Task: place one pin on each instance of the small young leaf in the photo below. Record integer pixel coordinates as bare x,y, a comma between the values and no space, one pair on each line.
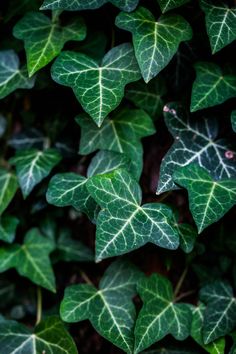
167,5
220,24
98,88
209,200
44,38
211,86
110,309
233,120
50,336
121,133
147,96
32,166
122,224
160,315
8,225
31,259
11,76
8,188
125,5
220,314
155,42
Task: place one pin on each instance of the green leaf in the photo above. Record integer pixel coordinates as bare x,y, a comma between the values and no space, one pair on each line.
187,233
98,87
11,76
160,315
121,133
148,96
211,86
125,5
110,309
155,42
220,24
220,314
195,140
30,138
8,188
44,38
32,166
3,125
8,225
50,336
233,120
31,259
233,348
107,161
122,224
209,200
216,347
167,5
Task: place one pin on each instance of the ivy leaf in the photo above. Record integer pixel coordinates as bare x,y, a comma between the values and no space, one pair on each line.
195,140
155,42
110,309
167,5
187,233
98,87
122,224
216,347
107,161
148,96
209,200
125,5
220,24
8,225
32,166
121,133
50,336
233,120
160,315
44,38
8,188
220,314
31,259
11,76
211,86
30,138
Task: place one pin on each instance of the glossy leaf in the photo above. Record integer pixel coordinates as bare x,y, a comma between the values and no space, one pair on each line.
160,315
11,76
8,188
209,200
32,166
98,87
187,233
122,224
110,309
211,86
31,259
220,23
195,140
167,5
8,225
50,336
121,133
155,42
44,38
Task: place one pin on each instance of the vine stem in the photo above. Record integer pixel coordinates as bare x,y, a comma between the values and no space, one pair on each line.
85,277
39,305
180,282
186,294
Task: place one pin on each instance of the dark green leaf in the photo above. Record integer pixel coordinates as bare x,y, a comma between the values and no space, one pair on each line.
8,225
233,120
167,5
8,188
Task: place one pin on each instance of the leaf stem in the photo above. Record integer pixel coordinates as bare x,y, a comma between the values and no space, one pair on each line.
39,305
180,282
183,295
85,277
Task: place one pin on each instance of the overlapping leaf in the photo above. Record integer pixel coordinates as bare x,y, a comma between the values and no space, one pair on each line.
160,315
220,23
187,233
8,188
211,86
233,120
11,76
195,140
125,5
121,133
122,224
167,5
32,166
98,87
50,336
8,225
220,314
209,200
44,38
110,309
155,42
31,259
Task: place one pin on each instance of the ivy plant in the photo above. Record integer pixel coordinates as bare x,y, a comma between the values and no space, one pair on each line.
117,176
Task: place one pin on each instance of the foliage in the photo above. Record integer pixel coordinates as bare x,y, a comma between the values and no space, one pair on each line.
117,176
